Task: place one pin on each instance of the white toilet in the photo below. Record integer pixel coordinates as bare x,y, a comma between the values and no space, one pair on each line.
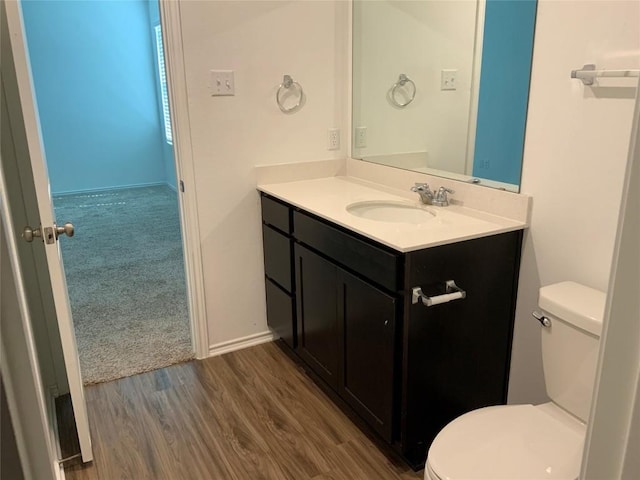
533,442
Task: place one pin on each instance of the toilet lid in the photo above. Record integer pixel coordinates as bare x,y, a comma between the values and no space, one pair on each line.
508,442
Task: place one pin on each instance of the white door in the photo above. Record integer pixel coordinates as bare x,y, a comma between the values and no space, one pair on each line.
40,206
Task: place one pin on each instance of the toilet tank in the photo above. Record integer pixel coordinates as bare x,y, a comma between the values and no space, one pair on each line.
570,345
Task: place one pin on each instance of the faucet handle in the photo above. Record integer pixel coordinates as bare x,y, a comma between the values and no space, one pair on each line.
441,199
420,187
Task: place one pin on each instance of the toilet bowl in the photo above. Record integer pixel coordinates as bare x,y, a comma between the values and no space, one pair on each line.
533,442
508,442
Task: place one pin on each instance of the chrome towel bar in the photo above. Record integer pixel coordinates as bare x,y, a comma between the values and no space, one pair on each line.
588,74
453,292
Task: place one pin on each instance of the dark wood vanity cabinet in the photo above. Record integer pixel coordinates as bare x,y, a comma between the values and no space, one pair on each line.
456,354
347,335
405,369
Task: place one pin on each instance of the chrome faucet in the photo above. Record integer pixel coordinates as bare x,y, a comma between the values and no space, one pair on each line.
440,199
422,189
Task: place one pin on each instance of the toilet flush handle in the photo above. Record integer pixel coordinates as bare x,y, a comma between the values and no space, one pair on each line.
544,321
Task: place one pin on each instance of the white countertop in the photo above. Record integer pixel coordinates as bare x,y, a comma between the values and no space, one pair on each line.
329,197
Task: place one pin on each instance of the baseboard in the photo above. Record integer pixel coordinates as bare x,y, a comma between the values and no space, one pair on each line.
59,471
104,189
240,343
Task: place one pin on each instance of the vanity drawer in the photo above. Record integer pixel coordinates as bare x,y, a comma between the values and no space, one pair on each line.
277,257
373,262
276,214
280,310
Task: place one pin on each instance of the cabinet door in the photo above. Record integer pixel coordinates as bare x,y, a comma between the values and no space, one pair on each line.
367,321
316,300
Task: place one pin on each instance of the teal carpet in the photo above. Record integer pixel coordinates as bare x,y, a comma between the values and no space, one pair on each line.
126,281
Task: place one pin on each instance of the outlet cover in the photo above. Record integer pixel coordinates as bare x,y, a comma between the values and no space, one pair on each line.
334,139
448,79
361,137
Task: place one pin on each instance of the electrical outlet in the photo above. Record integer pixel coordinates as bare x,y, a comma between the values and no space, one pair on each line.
361,137
222,83
448,79
334,139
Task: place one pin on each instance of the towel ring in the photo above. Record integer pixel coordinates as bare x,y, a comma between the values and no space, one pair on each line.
402,81
287,83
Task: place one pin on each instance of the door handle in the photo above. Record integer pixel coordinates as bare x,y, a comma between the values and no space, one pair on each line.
29,233
68,229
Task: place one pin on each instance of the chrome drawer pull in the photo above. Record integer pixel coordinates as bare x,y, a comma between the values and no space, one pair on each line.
454,292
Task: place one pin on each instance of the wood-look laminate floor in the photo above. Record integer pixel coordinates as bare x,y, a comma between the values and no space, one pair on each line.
246,415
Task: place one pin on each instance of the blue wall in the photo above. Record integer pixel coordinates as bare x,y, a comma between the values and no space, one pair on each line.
95,81
504,89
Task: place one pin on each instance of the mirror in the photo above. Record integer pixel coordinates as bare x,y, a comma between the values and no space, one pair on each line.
441,87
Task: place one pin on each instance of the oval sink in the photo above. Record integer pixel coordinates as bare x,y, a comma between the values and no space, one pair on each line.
390,211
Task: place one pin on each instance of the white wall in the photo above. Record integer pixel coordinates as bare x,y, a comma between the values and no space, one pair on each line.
261,41
574,161
418,39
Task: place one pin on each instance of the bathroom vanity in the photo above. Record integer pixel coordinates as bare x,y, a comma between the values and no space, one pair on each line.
342,295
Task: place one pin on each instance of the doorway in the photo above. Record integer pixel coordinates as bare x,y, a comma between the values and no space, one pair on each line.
100,85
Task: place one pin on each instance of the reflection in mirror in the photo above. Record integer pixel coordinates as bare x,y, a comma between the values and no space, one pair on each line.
441,87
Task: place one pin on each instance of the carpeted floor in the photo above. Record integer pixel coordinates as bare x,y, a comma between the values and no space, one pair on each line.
125,275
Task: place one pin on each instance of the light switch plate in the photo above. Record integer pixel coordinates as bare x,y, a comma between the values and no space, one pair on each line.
222,83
